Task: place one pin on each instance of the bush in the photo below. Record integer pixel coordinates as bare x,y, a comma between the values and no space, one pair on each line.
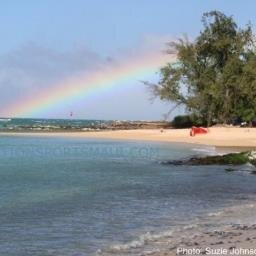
184,121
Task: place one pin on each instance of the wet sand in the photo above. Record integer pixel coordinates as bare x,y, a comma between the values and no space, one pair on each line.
235,239
231,231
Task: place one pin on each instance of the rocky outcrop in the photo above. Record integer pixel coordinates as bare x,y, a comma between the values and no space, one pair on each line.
129,125
228,159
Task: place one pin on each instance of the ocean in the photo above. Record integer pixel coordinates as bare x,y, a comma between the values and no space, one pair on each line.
63,196
10,124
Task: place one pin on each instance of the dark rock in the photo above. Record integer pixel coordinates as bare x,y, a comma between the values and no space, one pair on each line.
174,162
229,170
228,159
253,172
128,125
232,158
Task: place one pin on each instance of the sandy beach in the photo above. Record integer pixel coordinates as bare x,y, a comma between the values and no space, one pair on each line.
233,239
217,136
230,231
236,238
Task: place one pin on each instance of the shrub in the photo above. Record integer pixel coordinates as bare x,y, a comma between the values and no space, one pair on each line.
184,121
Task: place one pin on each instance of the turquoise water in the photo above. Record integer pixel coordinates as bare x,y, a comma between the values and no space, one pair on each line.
29,123
63,196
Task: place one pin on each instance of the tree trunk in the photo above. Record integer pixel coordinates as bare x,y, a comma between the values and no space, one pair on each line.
209,119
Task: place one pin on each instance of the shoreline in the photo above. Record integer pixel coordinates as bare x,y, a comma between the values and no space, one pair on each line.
237,237
213,234
220,137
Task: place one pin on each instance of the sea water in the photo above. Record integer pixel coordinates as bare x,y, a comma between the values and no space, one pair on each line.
76,196
10,124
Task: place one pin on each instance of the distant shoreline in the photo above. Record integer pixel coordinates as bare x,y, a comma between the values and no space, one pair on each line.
230,137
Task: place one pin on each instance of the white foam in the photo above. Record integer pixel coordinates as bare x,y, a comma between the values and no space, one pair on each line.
131,245
205,150
150,237
190,226
215,214
142,240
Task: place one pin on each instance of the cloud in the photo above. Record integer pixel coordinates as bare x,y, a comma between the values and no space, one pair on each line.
33,67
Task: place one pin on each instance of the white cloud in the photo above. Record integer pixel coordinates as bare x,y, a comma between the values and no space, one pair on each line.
33,67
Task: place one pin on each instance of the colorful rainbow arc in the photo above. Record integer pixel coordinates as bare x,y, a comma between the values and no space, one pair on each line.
87,85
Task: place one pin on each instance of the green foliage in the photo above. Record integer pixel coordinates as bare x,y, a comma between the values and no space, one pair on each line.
197,120
232,158
186,121
215,75
182,121
236,158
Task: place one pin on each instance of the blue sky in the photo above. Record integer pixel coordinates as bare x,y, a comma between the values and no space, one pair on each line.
45,41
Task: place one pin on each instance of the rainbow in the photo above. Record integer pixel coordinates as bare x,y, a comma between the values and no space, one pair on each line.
75,89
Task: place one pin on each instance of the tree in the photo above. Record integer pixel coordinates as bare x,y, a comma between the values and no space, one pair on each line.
215,75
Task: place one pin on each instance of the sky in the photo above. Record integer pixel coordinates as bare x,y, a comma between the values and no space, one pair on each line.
46,42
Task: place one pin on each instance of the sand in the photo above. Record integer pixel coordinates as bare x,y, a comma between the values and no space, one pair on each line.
217,136
233,239
228,231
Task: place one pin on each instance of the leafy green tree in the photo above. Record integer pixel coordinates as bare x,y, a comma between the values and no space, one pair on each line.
215,75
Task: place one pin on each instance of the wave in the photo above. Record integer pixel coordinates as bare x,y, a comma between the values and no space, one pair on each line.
5,119
142,240
150,242
206,150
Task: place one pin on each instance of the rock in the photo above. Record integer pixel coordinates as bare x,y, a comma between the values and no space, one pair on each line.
174,162
228,159
128,125
232,158
229,169
252,155
253,172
